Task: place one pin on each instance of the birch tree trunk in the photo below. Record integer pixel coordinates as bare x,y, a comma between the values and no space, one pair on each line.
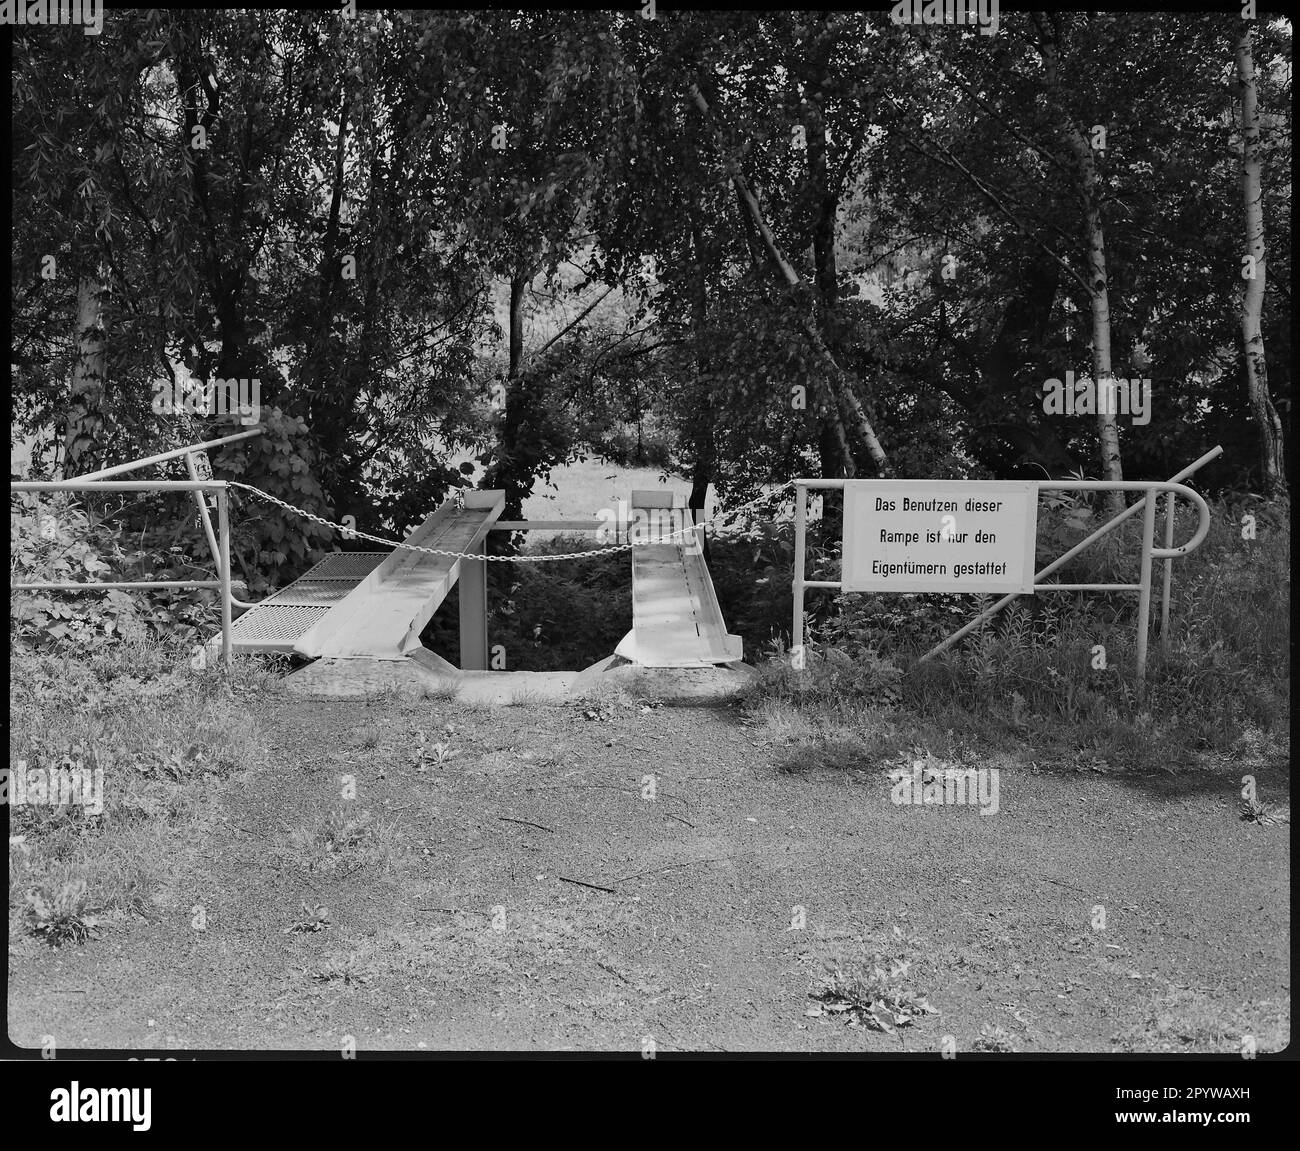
85,419
1095,276
1099,300
1252,299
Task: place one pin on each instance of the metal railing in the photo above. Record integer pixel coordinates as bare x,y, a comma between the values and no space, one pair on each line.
1147,505
189,453
198,487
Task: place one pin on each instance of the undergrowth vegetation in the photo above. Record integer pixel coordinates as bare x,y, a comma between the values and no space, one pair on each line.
155,736
1055,673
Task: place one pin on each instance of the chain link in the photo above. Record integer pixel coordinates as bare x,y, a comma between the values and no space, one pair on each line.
498,559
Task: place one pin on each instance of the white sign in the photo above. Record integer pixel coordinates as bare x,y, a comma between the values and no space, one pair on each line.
939,535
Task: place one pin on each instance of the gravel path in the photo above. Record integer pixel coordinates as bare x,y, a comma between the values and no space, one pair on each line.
470,912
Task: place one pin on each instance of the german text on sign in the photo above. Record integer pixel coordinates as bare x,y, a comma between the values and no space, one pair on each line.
936,536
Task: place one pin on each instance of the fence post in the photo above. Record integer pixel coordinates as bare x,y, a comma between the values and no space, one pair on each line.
1169,573
223,531
800,516
1144,595
473,612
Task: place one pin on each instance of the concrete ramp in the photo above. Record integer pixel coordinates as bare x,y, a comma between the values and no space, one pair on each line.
676,620
382,617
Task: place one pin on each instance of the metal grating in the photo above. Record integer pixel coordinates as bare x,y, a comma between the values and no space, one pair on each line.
272,627
305,591
346,565
280,620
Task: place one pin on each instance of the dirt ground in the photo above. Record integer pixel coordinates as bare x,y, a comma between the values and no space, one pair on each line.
515,888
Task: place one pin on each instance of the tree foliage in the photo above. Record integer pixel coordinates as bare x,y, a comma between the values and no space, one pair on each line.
782,243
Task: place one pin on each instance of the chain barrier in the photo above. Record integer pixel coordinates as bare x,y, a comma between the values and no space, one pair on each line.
354,532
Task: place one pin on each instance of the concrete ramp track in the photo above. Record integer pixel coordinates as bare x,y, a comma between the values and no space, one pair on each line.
676,620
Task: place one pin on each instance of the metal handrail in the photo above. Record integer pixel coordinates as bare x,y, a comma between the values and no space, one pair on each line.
188,453
222,490
1150,488
1108,526
118,469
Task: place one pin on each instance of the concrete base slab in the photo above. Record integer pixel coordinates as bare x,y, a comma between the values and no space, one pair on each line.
682,686
425,673
432,661
513,688
357,678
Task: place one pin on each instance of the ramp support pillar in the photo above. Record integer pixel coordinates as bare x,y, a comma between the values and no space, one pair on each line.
473,613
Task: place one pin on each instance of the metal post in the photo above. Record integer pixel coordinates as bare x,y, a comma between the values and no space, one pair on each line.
201,500
800,515
1144,596
473,613
1169,573
223,562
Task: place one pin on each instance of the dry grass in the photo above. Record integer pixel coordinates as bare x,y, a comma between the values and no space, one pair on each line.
1187,1022
164,735
345,839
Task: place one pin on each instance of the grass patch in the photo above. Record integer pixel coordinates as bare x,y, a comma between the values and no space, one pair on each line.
877,998
1190,1022
527,697
59,910
993,1038
163,734
367,737
1051,678
603,700
869,981
445,691
343,839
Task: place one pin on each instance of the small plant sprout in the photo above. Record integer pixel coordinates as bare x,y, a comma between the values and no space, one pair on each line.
437,754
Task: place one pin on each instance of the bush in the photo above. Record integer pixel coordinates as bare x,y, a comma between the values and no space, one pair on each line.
53,539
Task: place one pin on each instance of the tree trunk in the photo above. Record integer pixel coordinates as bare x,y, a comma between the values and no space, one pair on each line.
518,285
703,428
848,406
329,412
85,418
704,421
1252,300
1099,300
831,434
824,206
1095,277
510,468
